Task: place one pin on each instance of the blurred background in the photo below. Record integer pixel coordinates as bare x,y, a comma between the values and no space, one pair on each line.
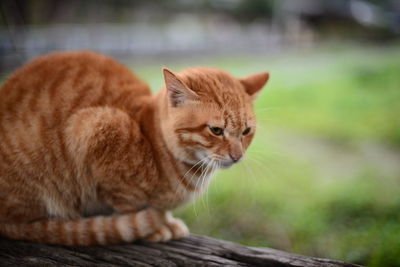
322,177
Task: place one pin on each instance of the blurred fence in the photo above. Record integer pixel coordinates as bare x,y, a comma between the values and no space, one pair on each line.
126,29
183,36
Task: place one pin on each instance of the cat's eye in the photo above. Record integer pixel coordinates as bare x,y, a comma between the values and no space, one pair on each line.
247,131
217,130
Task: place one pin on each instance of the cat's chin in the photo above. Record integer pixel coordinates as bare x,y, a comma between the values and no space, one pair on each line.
225,165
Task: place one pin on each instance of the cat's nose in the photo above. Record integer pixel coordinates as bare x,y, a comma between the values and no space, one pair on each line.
235,151
235,158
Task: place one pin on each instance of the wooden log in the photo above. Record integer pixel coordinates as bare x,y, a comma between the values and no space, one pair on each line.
191,251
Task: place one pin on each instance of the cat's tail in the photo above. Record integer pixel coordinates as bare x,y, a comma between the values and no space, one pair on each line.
97,230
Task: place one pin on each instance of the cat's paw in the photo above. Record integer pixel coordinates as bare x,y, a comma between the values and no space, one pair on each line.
172,229
163,234
178,228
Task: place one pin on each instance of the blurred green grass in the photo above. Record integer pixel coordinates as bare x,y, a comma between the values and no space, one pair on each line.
322,177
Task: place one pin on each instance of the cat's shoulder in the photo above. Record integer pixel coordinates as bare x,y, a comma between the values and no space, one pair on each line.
76,58
76,63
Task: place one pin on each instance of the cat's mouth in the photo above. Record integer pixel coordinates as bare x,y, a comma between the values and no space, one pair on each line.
219,162
225,165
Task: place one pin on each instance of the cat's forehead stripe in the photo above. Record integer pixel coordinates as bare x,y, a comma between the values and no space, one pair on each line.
234,118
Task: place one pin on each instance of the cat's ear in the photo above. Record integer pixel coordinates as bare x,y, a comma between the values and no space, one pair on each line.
254,83
178,93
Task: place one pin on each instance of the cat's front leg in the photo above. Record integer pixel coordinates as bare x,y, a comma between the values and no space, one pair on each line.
173,228
168,227
165,226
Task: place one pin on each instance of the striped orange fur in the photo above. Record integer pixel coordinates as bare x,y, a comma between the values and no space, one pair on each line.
82,137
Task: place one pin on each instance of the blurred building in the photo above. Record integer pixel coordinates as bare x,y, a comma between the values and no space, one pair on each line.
125,29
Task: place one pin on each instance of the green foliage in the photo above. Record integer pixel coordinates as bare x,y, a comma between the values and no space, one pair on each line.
346,99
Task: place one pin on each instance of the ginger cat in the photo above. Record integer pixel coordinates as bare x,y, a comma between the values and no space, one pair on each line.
80,135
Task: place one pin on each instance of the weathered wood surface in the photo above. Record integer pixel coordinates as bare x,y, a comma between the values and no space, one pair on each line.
192,251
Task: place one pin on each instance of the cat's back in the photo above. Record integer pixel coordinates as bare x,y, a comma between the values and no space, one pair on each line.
68,80
37,100
54,86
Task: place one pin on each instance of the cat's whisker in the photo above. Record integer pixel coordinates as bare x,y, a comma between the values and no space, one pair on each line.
194,175
251,172
202,160
206,173
202,181
180,189
212,173
215,170
213,162
264,156
253,176
197,189
262,166
217,157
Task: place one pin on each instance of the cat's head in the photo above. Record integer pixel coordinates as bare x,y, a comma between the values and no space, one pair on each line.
209,114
